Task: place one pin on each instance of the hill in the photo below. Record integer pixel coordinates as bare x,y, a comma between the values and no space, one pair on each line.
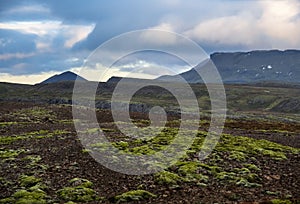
65,76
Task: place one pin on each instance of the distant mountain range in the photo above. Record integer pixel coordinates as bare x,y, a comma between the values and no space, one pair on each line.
251,67
234,68
65,76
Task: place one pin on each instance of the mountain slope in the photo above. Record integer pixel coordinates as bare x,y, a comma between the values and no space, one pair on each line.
66,76
249,67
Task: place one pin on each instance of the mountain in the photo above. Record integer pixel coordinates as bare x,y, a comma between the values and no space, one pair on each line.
65,76
251,67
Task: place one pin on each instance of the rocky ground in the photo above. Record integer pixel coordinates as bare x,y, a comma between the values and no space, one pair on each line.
43,161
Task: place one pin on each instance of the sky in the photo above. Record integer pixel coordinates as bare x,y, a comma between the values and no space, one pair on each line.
41,38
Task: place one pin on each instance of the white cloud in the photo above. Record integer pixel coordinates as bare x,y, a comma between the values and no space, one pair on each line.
40,28
48,30
138,69
159,38
281,23
43,46
226,30
274,25
103,73
20,66
15,56
28,9
26,79
76,33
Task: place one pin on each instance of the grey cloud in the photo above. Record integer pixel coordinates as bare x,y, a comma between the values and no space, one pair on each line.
16,42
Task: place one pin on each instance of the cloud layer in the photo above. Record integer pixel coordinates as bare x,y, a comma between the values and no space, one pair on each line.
39,38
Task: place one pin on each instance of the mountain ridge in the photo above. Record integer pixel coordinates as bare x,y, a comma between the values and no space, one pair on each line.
257,66
250,67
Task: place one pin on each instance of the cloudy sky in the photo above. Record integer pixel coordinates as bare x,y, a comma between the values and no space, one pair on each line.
42,38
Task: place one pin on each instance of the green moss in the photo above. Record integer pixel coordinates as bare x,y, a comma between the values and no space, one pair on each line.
31,135
238,156
5,182
211,169
85,150
28,181
215,158
38,186
274,154
3,124
30,197
189,171
121,145
35,114
10,139
279,201
252,167
7,200
108,130
81,182
241,177
135,195
10,153
186,168
271,193
143,150
33,158
244,182
248,146
166,177
80,192
93,130
146,146
242,171
226,176
77,194
33,162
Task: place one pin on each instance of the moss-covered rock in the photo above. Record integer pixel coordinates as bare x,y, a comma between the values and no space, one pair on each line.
10,153
37,196
79,192
134,195
240,146
166,177
81,182
238,156
29,181
279,201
